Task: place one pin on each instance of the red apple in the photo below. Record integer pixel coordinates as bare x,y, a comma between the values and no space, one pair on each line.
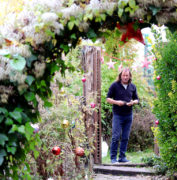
83,79
156,122
56,150
158,77
79,151
92,105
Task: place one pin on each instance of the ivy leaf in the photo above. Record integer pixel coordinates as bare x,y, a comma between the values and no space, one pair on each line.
30,79
73,36
91,34
11,149
29,96
71,25
28,131
9,121
64,47
18,62
2,154
154,10
120,12
3,138
21,129
4,111
30,60
16,115
1,118
132,4
47,104
50,33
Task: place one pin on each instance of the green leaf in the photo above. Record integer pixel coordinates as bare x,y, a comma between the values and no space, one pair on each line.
91,34
18,62
21,129
9,121
30,60
3,138
29,131
1,160
11,149
47,104
154,10
4,111
36,154
3,152
71,25
29,96
30,79
1,118
73,36
127,9
50,33
120,12
64,47
16,115
132,4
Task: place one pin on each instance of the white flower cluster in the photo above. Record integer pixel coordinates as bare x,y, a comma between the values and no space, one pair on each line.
39,69
96,5
5,92
21,49
73,10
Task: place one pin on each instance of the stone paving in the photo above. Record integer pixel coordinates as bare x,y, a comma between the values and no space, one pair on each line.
138,177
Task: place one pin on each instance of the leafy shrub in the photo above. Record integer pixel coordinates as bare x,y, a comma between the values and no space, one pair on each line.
165,105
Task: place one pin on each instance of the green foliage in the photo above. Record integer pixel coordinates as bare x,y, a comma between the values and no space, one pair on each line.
165,105
157,163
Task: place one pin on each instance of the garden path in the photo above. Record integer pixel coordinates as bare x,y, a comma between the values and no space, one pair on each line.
125,171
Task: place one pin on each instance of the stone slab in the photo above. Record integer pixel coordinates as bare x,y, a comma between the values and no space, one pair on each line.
129,164
119,170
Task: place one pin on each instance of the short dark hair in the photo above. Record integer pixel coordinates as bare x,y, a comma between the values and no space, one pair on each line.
120,74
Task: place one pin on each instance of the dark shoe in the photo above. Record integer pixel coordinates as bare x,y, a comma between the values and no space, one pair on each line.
113,161
123,160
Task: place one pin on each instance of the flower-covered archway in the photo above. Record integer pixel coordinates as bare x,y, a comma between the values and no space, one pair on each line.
32,42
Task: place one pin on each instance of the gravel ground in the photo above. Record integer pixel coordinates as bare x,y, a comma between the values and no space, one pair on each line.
138,177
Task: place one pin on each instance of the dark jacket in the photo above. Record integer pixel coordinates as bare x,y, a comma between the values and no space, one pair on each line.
118,92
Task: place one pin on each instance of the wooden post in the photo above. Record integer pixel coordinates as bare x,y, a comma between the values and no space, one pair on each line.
92,92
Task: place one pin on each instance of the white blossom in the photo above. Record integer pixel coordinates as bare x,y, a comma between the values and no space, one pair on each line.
22,50
39,69
49,17
73,10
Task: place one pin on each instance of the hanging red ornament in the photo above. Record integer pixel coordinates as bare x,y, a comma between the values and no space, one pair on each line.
92,105
131,32
79,151
83,79
156,122
158,77
56,150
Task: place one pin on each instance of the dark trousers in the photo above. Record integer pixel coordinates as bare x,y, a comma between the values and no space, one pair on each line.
121,126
